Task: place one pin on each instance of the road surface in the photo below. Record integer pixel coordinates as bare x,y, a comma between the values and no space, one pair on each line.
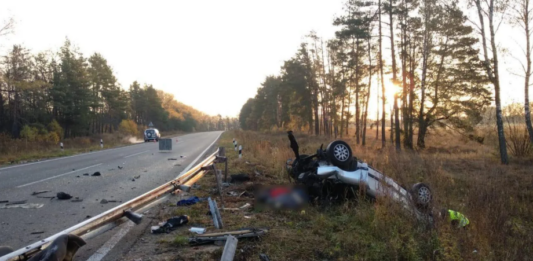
66,175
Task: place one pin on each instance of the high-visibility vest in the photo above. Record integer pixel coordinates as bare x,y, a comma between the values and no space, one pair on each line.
461,219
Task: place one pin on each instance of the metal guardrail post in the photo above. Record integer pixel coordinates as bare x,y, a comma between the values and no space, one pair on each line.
229,249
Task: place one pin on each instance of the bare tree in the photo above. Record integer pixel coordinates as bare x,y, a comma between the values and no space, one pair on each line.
523,16
491,65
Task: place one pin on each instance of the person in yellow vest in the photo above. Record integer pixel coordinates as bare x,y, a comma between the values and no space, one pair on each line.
456,218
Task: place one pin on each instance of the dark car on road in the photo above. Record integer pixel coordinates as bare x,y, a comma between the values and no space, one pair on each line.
151,134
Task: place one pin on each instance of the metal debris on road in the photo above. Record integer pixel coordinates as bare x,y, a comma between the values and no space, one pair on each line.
37,232
63,196
85,174
25,206
17,202
39,192
96,174
120,167
105,201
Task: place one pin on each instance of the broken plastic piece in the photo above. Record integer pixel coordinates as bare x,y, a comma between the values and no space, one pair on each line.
197,230
134,217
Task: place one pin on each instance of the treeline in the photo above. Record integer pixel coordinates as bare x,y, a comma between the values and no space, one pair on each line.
425,53
71,95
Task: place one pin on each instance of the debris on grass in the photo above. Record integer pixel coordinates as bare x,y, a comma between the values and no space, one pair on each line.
170,224
189,201
239,178
197,230
222,236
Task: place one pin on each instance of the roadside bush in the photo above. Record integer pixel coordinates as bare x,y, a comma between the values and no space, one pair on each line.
28,133
52,137
128,127
55,128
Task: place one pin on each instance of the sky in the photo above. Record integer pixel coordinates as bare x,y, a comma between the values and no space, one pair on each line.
212,55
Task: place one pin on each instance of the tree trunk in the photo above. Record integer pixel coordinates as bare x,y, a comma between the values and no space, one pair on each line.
383,139
499,117
410,139
528,71
493,76
368,91
394,78
377,110
425,56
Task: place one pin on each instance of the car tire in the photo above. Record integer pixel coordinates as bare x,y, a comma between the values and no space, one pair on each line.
422,195
339,153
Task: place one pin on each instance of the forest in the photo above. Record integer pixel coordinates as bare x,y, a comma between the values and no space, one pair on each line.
400,68
54,96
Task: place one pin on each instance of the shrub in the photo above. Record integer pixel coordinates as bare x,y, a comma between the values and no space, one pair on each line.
56,128
52,137
128,127
28,133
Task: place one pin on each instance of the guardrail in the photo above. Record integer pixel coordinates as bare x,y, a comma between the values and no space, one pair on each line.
88,226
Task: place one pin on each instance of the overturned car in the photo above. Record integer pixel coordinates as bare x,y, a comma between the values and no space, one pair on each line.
335,174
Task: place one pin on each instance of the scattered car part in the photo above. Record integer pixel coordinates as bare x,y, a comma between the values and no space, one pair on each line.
197,230
133,216
229,249
63,196
222,236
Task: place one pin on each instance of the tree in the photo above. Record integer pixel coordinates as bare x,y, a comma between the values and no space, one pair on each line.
523,16
487,11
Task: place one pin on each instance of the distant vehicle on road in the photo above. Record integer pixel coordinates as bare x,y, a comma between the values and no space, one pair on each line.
151,134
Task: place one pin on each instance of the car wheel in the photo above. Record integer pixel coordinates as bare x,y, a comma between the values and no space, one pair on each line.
339,153
422,195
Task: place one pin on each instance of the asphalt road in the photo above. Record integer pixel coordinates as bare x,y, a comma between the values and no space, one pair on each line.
66,175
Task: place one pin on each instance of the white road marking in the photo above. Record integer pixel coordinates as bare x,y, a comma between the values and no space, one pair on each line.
199,156
60,158
57,176
104,249
135,154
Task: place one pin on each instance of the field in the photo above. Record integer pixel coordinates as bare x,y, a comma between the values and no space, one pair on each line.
464,175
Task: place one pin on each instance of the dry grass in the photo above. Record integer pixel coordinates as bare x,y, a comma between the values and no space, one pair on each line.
464,175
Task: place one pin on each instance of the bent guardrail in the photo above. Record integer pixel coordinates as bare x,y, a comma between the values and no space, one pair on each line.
117,212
